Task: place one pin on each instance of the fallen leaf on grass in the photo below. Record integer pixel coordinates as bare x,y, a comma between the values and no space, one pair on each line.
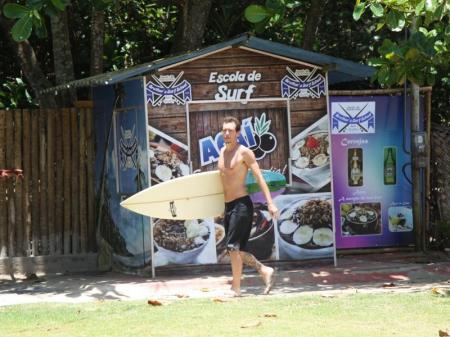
327,296
251,324
268,315
389,285
219,300
154,302
440,291
182,296
443,333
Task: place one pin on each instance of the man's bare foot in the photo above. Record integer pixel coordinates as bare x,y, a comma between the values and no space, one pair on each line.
268,276
235,292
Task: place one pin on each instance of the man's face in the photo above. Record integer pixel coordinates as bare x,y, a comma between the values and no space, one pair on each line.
229,132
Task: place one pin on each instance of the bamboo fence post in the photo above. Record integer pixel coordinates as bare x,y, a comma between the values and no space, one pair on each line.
3,183
10,183
75,181
43,180
82,182
35,182
67,180
51,181
26,210
59,186
92,243
18,188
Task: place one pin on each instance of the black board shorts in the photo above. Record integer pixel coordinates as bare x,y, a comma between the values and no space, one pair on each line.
238,222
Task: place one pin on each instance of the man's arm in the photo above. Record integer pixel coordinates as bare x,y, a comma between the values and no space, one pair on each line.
250,161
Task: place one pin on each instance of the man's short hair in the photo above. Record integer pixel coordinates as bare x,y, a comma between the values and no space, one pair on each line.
231,119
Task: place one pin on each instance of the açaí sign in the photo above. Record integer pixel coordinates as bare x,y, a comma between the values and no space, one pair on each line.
256,136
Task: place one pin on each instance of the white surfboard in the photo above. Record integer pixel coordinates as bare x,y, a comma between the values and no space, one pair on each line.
194,196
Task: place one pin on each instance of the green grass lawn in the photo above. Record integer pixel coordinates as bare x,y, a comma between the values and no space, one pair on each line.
388,314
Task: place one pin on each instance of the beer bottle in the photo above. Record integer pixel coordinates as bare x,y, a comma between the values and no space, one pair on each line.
390,169
355,174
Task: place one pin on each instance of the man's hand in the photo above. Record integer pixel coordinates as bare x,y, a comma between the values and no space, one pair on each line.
273,210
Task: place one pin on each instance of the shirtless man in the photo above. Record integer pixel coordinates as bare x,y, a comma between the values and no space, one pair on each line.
234,162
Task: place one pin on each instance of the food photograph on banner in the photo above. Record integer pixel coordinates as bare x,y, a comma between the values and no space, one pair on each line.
310,157
168,157
262,132
184,241
177,241
371,172
305,226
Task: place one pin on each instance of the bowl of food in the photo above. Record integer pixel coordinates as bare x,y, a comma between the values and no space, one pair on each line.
305,228
311,153
361,220
181,241
262,236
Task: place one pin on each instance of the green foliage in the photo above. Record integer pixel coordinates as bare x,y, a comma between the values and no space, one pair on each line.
281,20
14,94
31,16
138,32
426,50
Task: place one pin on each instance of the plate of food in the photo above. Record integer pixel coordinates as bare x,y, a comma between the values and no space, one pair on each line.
310,157
305,228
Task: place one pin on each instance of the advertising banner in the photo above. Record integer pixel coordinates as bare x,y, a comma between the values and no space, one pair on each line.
371,172
121,129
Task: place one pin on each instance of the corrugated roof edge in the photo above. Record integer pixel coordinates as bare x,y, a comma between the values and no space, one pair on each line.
356,70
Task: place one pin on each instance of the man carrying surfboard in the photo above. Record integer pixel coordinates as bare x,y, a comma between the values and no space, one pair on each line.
234,162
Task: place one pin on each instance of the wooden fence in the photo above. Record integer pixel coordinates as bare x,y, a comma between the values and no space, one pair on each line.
50,210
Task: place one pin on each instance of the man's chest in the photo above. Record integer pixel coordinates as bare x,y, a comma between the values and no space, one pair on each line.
231,161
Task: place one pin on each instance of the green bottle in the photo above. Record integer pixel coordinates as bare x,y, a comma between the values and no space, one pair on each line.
390,169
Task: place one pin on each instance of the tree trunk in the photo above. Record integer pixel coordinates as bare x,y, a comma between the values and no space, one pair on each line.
313,18
29,65
191,25
97,39
62,56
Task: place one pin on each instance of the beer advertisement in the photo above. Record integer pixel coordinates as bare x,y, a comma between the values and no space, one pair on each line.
371,172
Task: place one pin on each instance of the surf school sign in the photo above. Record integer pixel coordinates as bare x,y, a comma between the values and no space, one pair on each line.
256,136
226,94
302,83
168,89
353,117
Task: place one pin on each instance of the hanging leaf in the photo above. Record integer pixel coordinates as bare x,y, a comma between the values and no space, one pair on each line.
358,11
60,4
377,10
275,6
395,20
15,11
256,13
22,28
419,8
39,26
